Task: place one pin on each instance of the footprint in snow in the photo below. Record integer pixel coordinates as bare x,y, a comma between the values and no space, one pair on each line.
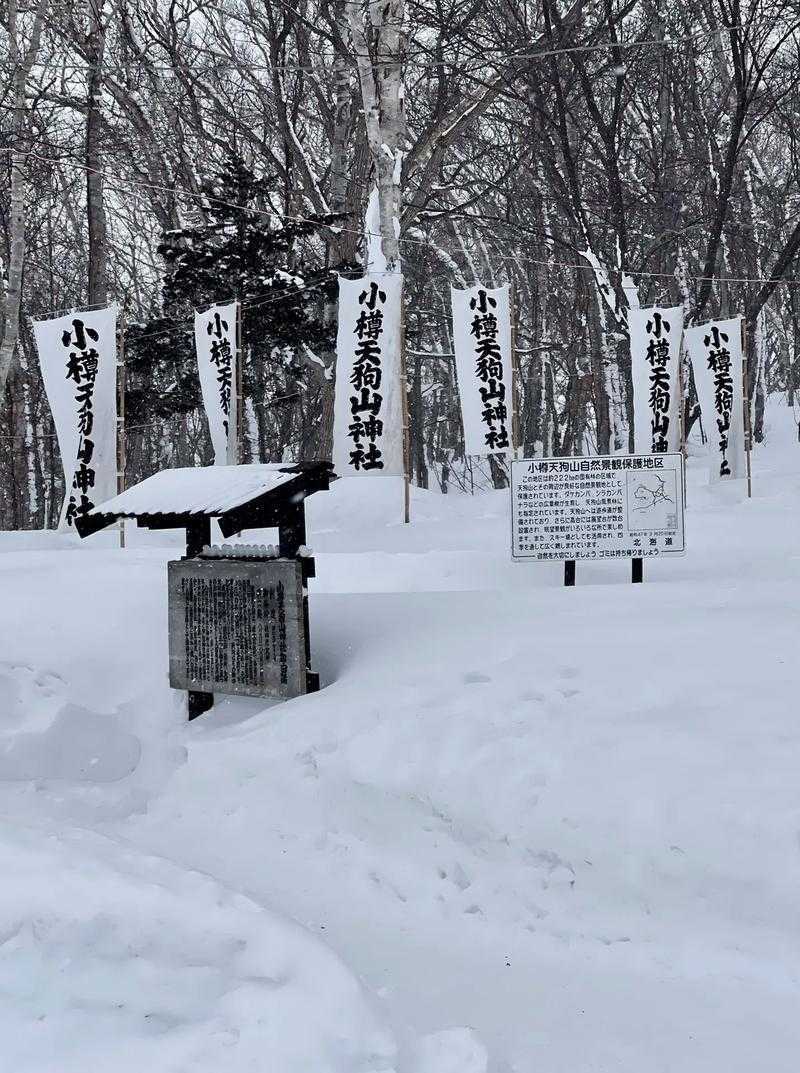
475,678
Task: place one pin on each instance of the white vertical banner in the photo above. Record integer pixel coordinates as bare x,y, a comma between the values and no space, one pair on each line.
216,342
78,359
368,404
482,343
655,360
715,350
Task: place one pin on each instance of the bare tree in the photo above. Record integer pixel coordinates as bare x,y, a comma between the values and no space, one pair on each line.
22,57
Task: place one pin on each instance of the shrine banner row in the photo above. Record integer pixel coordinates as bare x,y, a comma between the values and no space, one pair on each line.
369,420
79,362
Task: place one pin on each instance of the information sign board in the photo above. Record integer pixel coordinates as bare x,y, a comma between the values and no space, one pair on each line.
237,627
600,507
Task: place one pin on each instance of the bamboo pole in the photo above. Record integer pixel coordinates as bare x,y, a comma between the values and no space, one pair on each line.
747,428
406,428
121,459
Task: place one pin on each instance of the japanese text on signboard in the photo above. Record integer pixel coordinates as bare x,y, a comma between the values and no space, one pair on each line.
718,359
489,371
81,368
366,427
221,355
598,508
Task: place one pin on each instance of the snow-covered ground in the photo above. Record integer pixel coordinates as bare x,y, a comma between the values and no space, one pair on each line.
521,828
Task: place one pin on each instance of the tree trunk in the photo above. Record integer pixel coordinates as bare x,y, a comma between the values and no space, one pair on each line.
95,197
21,66
381,93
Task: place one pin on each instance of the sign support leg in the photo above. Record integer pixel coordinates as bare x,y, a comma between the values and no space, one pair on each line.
198,535
199,703
569,571
291,537
637,571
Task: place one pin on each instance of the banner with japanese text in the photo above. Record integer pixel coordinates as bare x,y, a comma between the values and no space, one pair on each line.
78,359
368,405
655,371
482,344
216,343
715,351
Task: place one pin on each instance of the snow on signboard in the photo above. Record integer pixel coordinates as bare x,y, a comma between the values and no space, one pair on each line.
368,406
655,356
78,359
217,356
482,344
604,507
715,350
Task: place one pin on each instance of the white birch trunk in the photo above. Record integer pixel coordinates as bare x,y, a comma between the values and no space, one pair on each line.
382,95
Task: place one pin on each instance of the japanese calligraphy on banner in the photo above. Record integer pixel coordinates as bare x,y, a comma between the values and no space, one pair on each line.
715,350
78,358
482,343
655,361
604,507
217,357
368,406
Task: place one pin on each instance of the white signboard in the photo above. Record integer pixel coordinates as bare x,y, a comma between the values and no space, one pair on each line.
217,358
482,343
78,359
715,350
603,507
655,356
368,405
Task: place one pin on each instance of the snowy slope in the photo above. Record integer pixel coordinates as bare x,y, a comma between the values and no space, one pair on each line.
115,960
558,826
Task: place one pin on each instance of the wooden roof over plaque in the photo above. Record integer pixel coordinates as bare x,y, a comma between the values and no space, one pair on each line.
262,496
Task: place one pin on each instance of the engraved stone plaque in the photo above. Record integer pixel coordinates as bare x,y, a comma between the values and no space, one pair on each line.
237,627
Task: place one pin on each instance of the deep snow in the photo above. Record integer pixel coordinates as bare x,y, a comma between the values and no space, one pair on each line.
558,827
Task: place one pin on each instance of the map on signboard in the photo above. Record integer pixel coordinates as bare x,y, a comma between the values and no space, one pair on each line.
652,501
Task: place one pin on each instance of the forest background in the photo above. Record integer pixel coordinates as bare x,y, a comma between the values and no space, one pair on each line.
166,154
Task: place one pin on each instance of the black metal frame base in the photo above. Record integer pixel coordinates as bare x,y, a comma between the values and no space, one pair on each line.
199,703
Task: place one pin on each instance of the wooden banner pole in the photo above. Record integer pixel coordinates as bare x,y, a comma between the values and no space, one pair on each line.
406,428
682,412
239,424
746,408
121,459
682,401
515,377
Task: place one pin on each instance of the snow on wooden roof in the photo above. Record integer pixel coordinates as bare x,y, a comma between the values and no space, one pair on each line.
240,497
198,490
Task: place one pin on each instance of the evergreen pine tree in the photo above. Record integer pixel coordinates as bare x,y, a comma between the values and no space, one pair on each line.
274,267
